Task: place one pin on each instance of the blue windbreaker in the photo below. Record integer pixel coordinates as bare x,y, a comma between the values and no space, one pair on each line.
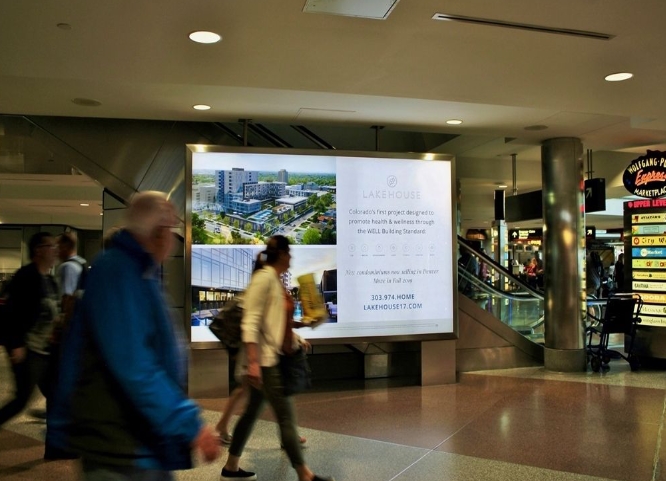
120,397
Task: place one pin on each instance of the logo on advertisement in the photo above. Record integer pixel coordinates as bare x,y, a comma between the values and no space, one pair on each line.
391,181
646,176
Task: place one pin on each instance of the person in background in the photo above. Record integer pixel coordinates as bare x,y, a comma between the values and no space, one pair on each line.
539,270
69,277
594,271
484,272
70,270
267,333
531,272
239,394
619,273
120,402
468,263
32,311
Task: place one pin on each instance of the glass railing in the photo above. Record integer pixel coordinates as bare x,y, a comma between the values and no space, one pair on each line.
514,300
509,298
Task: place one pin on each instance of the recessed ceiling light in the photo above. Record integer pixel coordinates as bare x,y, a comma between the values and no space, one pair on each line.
101,213
201,107
535,128
84,205
454,122
203,36
502,186
618,77
86,102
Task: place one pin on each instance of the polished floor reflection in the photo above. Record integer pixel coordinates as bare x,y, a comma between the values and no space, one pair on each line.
516,424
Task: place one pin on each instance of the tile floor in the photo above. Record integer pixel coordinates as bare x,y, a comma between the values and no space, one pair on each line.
518,424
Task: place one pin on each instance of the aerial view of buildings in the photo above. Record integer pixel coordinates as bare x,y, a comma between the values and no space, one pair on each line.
242,206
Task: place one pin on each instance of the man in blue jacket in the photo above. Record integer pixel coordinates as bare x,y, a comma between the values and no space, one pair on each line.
120,402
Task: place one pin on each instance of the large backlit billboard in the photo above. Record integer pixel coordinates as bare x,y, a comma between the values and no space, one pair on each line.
376,231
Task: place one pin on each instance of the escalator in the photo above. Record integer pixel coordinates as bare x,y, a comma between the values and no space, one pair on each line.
501,318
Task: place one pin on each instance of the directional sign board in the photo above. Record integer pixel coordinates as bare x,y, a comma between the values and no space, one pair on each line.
524,234
590,232
595,195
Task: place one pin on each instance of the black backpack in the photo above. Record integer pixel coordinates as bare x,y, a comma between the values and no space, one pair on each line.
227,324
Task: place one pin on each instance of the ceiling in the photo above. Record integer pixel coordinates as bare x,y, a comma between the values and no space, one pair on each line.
278,64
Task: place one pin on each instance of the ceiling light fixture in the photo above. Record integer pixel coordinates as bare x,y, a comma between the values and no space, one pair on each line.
203,36
618,77
84,205
201,107
522,26
502,186
454,122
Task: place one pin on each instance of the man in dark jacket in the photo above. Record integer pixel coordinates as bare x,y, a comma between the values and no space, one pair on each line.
32,311
120,400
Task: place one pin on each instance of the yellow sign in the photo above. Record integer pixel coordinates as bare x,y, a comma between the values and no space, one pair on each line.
648,264
653,321
653,298
647,218
653,309
646,275
652,240
648,286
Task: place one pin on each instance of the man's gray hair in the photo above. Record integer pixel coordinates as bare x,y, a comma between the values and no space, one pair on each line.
148,210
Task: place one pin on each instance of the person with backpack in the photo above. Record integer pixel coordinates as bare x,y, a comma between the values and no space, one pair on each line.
31,312
71,272
70,275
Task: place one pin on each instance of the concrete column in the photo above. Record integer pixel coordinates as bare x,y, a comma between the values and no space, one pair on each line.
564,248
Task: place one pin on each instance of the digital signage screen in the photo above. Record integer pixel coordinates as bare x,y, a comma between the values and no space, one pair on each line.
375,230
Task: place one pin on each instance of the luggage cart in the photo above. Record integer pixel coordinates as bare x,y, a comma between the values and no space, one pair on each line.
620,316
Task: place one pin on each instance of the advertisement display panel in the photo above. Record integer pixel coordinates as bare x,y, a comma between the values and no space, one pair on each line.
375,230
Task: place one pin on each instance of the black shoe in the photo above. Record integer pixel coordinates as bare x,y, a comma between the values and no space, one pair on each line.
240,474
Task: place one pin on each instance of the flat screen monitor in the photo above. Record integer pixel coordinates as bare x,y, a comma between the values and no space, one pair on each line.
375,230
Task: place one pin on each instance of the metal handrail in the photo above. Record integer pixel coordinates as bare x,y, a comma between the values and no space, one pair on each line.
464,243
